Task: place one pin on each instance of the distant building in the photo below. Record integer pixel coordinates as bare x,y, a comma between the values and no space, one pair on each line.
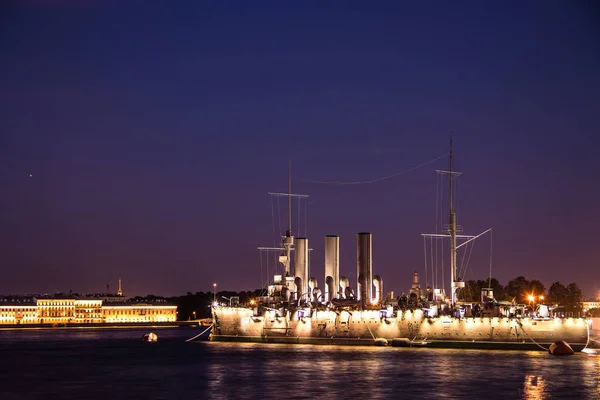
140,312
416,286
588,305
64,309
18,311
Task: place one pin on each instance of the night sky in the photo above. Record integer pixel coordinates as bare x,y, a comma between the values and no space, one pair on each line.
139,140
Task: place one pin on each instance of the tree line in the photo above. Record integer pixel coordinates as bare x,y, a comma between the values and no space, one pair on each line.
529,292
193,306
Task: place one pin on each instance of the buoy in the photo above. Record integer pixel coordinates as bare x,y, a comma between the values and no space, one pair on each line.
150,337
560,348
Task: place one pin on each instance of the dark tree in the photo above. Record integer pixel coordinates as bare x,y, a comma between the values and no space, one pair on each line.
535,288
499,290
517,289
558,294
472,290
574,299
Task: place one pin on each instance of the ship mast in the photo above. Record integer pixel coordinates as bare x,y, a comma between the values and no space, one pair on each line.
453,233
288,240
452,228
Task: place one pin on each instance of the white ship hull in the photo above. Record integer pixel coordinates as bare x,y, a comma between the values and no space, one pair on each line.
405,328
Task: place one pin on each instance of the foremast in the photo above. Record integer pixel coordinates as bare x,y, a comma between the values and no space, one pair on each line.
287,240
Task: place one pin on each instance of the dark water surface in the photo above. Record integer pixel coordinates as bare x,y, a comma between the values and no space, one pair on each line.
116,364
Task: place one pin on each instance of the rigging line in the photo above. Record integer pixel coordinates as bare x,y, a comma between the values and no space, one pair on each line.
442,257
273,220
305,218
462,261
471,248
437,203
459,268
464,272
436,257
456,197
437,178
490,278
438,283
262,276
376,179
298,217
425,256
433,271
279,215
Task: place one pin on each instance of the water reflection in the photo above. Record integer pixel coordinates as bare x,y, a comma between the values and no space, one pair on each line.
118,362
534,387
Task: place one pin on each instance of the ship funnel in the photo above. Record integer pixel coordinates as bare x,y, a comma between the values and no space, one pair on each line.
364,267
332,267
378,285
301,267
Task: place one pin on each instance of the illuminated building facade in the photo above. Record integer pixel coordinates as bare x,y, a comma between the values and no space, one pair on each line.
18,314
73,310
588,305
55,311
139,313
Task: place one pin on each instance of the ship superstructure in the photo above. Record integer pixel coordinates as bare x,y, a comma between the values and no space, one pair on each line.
296,310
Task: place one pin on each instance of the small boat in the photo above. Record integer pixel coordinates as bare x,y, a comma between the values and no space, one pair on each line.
150,337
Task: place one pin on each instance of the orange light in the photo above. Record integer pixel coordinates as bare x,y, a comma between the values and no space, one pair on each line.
530,297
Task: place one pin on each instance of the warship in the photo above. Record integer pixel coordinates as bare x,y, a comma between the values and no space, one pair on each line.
295,310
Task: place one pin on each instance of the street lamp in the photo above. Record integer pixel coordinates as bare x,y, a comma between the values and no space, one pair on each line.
214,293
541,298
531,298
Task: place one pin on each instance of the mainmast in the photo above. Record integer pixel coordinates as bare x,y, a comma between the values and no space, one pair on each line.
288,239
452,227
452,233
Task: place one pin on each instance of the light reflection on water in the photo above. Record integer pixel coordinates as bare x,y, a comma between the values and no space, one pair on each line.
116,364
534,387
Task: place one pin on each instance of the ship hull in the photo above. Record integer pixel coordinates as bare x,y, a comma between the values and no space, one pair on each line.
404,329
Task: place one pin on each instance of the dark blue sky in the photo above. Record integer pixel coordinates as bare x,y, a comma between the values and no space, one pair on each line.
153,133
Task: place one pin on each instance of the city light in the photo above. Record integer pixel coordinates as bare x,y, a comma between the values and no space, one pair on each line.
531,299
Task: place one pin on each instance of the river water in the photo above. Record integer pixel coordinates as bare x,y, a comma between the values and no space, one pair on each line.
116,364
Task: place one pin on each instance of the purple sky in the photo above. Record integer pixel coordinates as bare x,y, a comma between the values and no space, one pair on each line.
152,135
